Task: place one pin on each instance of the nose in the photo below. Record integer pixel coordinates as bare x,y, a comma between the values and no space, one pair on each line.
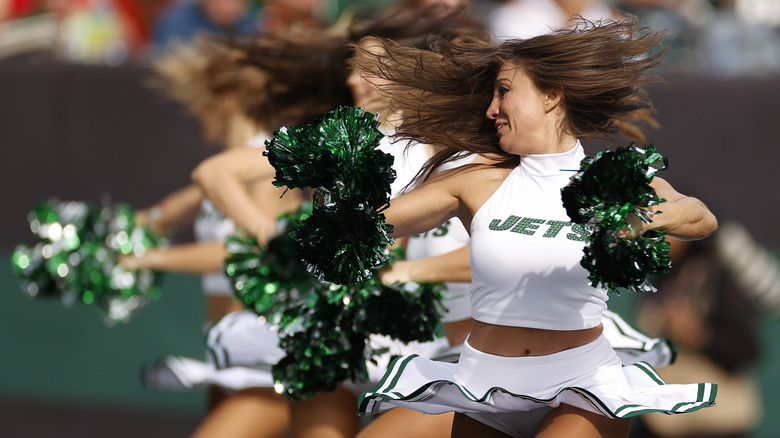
492,110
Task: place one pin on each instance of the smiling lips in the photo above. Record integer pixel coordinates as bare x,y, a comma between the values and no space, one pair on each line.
499,127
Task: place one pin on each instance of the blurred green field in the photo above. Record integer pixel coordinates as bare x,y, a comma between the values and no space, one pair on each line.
54,353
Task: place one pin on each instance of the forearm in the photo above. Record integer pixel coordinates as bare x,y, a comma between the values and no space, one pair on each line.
450,267
194,258
686,218
173,211
226,187
682,217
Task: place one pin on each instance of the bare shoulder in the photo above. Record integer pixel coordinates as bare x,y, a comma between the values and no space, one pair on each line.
475,183
477,171
483,175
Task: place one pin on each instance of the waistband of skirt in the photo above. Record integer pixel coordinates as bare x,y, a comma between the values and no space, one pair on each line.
568,364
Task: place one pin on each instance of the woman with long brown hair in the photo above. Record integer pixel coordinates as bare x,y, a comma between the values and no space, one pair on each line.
536,362
215,84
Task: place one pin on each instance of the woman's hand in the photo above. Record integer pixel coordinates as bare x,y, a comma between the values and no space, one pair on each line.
134,262
398,272
636,227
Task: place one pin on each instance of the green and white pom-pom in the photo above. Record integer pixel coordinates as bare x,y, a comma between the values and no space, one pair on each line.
324,349
606,190
327,343
75,258
342,243
324,327
337,156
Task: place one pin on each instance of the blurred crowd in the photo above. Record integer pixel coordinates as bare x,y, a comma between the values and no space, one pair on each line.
114,32
718,38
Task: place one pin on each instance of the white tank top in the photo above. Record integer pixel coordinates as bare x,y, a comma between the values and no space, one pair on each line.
211,226
525,252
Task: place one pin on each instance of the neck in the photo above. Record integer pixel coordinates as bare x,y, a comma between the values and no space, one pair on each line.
566,143
551,137
389,121
239,131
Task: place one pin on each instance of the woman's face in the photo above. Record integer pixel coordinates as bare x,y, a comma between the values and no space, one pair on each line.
519,110
364,86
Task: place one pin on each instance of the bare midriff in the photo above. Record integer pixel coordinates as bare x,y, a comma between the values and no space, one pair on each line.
501,340
457,331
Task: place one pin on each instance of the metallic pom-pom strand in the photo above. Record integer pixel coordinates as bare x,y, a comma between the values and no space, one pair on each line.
342,242
327,344
336,155
271,280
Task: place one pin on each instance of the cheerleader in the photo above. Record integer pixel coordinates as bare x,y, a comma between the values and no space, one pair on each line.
536,362
214,84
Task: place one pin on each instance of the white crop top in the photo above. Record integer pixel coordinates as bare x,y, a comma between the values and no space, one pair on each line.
525,252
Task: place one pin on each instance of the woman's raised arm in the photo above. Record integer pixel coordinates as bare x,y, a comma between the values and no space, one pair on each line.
425,207
223,178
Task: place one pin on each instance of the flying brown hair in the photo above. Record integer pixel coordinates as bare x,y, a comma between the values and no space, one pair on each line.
202,74
444,90
307,68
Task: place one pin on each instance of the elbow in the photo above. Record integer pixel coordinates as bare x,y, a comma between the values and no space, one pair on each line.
704,225
202,174
709,224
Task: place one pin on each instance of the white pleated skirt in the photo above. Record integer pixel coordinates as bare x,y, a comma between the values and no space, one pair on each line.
513,394
176,373
242,349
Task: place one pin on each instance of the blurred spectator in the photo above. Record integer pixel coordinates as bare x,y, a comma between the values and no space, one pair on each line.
95,31
12,9
280,13
719,38
734,46
765,12
709,306
183,20
528,18
90,31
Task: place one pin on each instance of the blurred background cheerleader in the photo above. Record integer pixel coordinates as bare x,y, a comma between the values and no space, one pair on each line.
230,100
333,413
